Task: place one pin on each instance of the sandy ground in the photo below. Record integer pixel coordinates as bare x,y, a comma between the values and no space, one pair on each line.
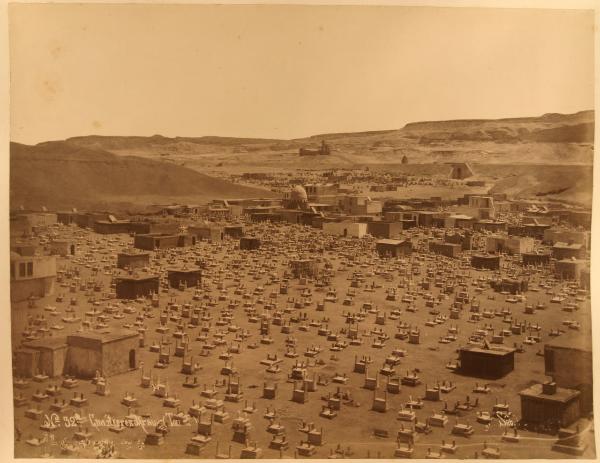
354,426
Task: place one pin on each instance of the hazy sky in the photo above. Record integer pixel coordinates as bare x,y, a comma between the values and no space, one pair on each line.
287,71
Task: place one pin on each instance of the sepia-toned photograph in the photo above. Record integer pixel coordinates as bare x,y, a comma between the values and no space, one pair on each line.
300,231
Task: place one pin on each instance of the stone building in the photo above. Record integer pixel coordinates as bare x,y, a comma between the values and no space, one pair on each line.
536,258
465,239
152,241
109,353
210,232
385,229
509,244
510,285
359,205
234,231
484,362
445,249
485,262
347,229
184,275
249,243
323,150
112,226
43,356
133,259
80,355
62,248
393,248
549,404
569,269
136,285
568,360
31,276
556,235
304,268
567,251
533,230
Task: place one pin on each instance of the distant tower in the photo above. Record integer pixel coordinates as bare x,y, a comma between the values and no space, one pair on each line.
325,148
404,159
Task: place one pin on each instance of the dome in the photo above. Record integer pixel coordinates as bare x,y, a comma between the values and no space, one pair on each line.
298,194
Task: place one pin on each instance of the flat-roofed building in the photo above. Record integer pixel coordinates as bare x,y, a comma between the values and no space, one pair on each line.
532,230
346,229
234,231
304,268
568,360
359,205
26,248
31,276
485,262
187,276
315,191
132,259
581,218
569,269
136,285
265,217
555,235
108,227
249,243
510,285
62,248
109,353
385,229
445,249
567,251
66,217
43,356
493,362
152,241
509,244
212,233
536,258
425,218
459,221
490,225
550,405
393,248
40,219
464,238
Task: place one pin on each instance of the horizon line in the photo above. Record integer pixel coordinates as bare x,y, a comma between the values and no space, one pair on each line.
323,134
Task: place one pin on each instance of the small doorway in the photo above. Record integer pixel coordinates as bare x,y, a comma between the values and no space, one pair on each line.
345,232
72,249
132,359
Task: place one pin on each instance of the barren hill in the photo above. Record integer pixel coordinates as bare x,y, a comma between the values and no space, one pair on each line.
61,175
547,139
78,168
549,128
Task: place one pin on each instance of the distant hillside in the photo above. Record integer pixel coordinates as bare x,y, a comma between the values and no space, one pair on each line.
124,142
549,128
570,183
553,127
550,138
61,175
